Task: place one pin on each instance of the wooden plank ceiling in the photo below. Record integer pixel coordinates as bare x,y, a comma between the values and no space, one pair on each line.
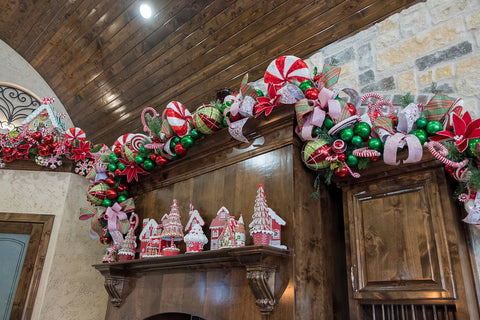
106,63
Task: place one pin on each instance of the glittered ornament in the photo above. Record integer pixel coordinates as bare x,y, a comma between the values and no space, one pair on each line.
44,150
341,157
341,172
346,134
363,130
48,139
351,109
433,127
110,181
207,119
161,161
97,192
36,136
314,154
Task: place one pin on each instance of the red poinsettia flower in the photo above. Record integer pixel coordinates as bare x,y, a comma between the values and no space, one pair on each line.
132,170
267,103
82,151
464,128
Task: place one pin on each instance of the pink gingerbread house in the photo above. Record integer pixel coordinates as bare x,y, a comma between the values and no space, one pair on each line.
277,223
149,229
216,227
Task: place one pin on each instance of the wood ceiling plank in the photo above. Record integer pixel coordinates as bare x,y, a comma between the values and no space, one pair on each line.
359,19
142,54
129,36
187,57
15,15
134,62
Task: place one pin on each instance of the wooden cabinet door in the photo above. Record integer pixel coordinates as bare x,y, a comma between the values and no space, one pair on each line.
396,239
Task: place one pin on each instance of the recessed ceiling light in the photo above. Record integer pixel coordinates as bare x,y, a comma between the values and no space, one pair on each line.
145,11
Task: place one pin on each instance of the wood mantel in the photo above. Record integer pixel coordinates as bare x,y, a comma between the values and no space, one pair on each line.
262,263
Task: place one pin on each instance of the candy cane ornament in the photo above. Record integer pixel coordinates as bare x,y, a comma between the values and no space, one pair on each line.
442,153
145,126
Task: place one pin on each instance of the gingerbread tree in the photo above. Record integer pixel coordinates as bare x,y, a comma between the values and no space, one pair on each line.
172,229
261,226
240,233
227,237
127,252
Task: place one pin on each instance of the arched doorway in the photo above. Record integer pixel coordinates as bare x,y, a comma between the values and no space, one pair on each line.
174,316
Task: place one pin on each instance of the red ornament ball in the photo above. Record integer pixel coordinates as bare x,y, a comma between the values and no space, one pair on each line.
153,156
8,158
341,157
374,158
36,136
44,150
7,151
48,139
118,151
341,172
180,150
118,172
112,193
122,187
161,161
110,181
351,109
311,93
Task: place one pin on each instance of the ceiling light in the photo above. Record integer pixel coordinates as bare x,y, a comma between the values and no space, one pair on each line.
145,11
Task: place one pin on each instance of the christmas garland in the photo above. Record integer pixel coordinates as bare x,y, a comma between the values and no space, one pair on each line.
337,139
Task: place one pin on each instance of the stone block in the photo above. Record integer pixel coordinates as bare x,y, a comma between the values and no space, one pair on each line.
365,57
341,58
443,72
413,22
444,10
426,77
366,77
468,65
468,85
406,82
443,55
423,99
420,44
315,60
349,68
473,20
443,88
383,85
349,81
389,24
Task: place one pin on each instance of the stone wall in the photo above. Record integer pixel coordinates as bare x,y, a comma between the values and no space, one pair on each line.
434,42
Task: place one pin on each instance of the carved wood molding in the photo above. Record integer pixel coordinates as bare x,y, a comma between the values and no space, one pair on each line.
262,263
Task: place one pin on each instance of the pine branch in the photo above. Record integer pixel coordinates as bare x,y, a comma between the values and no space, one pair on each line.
433,88
363,163
406,99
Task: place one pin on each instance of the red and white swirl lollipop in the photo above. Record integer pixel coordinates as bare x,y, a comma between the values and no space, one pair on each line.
286,69
75,133
179,118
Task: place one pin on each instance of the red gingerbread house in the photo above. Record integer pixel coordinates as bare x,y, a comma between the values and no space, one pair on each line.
216,227
149,229
277,224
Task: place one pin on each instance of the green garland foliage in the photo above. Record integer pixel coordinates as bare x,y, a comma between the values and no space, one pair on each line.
406,99
363,163
453,153
155,125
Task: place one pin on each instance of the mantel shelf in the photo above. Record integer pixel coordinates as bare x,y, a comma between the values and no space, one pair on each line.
260,262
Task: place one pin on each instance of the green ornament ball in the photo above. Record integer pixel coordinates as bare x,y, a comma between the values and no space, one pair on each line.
305,85
352,160
148,164
187,142
375,144
421,135
259,93
112,167
107,203
121,166
421,123
433,127
328,123
357,141
363,130
195,134
224,122
139,159
176,139
316,131
472,143
172,145
346,134
174,156
121,198
229,103
141,149
223,107
113,157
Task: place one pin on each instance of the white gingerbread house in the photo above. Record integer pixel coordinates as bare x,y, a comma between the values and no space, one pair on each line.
194,217
45,116
149,229
216,227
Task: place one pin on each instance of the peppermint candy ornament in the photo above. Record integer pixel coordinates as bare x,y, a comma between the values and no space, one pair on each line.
134,140
179,118
75,134
286,69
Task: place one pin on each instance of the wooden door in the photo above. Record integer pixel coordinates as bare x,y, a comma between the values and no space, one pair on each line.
25,237
397,239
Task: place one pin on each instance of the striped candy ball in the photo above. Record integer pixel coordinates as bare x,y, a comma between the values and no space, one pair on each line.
178,118
75,134
286,69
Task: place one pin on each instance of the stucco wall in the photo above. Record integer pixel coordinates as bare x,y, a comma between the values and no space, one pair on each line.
69,286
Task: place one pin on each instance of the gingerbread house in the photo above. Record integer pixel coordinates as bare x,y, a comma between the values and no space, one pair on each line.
277,223
149,229
45,117
194,217
216,227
